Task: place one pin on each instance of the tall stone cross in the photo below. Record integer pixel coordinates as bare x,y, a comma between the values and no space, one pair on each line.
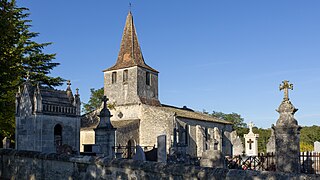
105,99
285,86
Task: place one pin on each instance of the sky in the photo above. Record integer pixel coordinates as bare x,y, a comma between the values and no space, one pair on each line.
212,55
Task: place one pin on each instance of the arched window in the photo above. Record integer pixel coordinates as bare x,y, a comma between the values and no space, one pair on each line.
57,135
114,77
125,76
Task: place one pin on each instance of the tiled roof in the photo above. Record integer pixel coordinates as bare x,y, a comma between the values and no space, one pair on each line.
130,53
190,114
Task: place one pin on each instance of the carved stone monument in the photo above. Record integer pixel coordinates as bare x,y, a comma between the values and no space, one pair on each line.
237,146
271,145
287,135
105,133
251,142
213,156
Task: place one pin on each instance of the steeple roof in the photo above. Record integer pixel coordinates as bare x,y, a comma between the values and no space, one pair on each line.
130,53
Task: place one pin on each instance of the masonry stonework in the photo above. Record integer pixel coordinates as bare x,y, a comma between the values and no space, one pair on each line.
35,165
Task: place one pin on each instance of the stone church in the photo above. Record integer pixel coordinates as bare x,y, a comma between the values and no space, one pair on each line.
139,116
47,119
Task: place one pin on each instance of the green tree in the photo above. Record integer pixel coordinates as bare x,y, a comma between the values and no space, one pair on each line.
95,101
235,118
19,55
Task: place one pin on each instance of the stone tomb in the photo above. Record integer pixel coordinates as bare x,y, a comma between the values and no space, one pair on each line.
251,142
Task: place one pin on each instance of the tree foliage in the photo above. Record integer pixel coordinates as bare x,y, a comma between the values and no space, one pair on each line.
19,55
95,101
235,118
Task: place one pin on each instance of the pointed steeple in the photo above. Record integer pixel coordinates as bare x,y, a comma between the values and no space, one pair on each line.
130,53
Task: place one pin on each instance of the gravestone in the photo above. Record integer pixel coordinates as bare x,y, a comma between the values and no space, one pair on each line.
104,134
139,156
6,143
287,135
251,142
237,146
212,157
162,151
317,146
271,145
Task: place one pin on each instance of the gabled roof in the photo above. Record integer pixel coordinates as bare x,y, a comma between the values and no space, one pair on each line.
130,54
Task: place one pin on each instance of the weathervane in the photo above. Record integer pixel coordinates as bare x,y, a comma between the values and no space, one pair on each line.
285,86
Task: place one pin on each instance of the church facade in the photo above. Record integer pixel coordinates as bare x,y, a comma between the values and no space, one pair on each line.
140,118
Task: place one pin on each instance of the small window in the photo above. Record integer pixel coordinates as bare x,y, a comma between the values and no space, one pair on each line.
114,77
148,78
125,76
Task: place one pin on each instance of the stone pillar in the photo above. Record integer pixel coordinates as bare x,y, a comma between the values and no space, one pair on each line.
287,136
105,134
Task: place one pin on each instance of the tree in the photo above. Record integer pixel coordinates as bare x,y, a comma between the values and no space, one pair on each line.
235,118
95,101
20,56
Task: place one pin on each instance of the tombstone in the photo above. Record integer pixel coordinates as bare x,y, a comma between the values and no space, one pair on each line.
104,134
287,135
139,156
212,157
162,151
316,146
6,143
237,147
271,145
251,142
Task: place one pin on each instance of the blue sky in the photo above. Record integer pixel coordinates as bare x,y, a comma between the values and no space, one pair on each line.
227,56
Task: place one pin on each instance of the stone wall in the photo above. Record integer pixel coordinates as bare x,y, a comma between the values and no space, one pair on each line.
35,165
36,132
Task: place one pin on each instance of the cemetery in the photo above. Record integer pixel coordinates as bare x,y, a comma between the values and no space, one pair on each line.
141,138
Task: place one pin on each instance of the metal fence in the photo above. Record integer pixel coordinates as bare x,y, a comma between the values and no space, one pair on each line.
309,161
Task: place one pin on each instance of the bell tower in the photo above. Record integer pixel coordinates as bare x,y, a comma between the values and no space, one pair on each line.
131,80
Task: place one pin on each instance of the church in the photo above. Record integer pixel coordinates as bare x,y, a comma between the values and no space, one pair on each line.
139,117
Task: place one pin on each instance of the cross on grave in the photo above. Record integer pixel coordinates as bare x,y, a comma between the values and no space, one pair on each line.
250,126
285,86
105,99
250,143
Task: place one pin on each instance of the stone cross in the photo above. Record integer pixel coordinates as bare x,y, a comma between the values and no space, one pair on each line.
250,127
285,86
250,143
69,83
105,99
